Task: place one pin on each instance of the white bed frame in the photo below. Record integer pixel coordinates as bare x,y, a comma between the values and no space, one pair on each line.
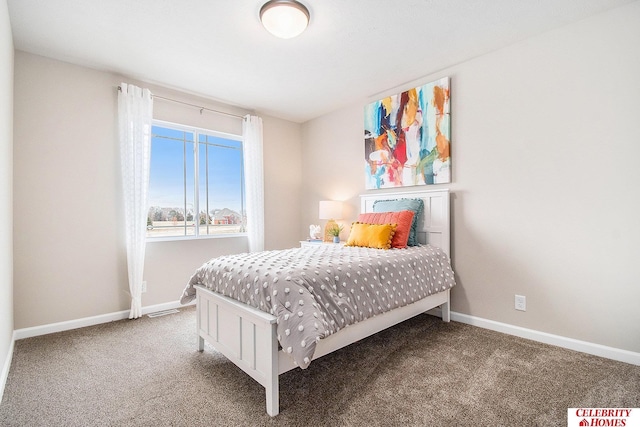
248,337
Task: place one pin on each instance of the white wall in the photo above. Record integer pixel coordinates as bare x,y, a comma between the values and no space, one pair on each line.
70,259
332,156
545,146
283,183
6,191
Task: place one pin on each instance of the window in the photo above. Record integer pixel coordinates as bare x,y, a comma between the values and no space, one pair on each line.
196,183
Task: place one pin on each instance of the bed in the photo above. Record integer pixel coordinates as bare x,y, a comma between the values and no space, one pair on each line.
255,340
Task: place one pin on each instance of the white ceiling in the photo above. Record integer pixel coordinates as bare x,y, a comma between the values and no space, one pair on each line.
351,51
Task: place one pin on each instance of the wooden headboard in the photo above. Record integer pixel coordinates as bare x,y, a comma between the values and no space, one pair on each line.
434,223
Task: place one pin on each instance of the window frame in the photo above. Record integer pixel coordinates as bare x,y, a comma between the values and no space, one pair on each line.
196,176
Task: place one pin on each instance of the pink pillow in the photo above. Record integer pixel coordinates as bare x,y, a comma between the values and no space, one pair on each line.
402,218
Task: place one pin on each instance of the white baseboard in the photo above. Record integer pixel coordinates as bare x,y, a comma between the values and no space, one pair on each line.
5,368
543,337
90,321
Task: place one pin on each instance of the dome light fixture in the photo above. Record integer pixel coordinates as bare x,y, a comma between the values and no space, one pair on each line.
284,18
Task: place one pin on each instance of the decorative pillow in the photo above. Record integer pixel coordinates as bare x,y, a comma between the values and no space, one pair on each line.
415,205
402,218
378,236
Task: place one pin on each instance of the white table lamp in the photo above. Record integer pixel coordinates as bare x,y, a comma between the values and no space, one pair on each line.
330,210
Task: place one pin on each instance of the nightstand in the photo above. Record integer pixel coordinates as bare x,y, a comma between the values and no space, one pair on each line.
308,244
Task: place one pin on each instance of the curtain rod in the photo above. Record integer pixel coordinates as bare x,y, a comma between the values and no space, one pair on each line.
193,105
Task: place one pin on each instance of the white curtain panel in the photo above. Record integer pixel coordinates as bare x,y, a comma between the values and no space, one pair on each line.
254,181
135,115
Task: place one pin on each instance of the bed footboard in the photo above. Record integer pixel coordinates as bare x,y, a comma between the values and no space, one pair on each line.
248,337
244,335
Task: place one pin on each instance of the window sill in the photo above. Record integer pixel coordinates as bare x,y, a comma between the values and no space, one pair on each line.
180,238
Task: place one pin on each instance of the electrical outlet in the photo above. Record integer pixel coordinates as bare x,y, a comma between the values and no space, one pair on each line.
144,286
521,303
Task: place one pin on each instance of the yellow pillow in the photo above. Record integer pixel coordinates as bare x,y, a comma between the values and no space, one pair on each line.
376,236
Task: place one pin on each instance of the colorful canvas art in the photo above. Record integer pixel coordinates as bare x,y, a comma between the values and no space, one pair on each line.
407,138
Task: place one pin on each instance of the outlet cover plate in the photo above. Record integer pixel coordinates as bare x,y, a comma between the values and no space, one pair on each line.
521,303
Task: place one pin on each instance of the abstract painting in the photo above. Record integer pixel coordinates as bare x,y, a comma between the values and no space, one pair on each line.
407,138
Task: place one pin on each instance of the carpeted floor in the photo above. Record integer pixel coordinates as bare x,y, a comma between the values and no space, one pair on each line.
422,372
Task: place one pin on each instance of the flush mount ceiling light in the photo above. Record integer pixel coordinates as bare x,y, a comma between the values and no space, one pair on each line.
284,18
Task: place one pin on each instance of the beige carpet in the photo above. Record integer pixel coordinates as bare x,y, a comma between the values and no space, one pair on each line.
422,372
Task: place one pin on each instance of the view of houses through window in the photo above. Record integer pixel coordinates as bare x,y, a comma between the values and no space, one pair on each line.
196,182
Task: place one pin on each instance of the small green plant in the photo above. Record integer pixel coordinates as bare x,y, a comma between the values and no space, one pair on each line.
335,230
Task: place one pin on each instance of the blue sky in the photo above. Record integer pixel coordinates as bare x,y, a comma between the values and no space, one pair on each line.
167,176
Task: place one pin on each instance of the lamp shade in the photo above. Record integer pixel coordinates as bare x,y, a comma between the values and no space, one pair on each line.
330,209
284,18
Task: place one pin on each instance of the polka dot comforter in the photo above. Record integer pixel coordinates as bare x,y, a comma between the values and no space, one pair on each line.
316,291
